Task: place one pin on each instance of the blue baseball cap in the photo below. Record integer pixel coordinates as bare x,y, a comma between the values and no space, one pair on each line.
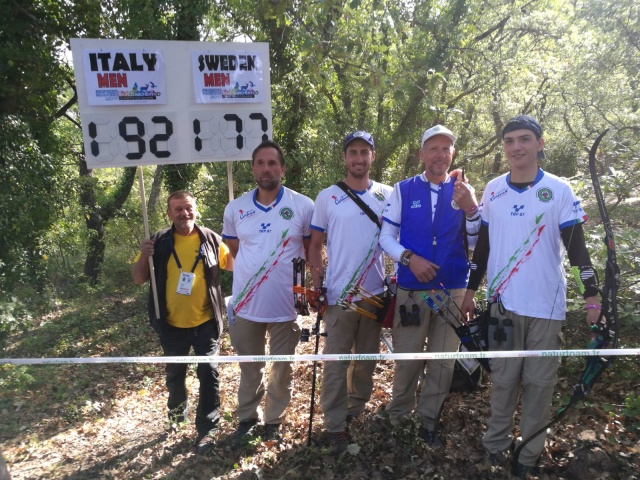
358,135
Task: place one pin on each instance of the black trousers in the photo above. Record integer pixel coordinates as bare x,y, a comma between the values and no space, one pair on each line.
178,342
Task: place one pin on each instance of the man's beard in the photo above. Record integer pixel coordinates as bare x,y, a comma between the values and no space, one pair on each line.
268,184
359,174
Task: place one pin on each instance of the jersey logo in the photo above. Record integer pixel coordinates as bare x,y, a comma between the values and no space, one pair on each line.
339,200
246,214
264,228
496,195
286,213
379,196
416,204
545,194
517,211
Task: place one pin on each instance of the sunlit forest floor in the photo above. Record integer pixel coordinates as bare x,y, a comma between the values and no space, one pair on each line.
107,421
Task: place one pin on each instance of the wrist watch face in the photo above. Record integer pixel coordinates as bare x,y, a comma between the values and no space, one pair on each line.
405,261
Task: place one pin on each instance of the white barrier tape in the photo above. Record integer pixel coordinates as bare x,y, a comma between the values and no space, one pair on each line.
327,358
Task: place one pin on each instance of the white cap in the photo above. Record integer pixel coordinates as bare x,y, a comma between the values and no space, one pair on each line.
438,130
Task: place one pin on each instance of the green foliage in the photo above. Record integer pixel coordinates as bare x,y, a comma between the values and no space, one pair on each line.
14,316
29,203
392,68
16,377
632,409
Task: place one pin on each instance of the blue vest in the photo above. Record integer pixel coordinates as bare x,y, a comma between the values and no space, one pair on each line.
440,241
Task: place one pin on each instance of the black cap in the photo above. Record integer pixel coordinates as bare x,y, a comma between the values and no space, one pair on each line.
520,122
526,122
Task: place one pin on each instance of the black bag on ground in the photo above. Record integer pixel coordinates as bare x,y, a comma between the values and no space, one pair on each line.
467,375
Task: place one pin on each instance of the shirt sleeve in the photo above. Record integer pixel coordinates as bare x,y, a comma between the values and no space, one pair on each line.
319,220
472,226
308,215
574,243
391,225
223,252
572,211
228,225
482,247
393,211
480,259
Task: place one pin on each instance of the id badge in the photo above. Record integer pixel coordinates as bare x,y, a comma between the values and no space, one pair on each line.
186,283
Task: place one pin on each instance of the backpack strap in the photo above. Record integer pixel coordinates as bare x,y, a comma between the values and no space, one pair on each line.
363,206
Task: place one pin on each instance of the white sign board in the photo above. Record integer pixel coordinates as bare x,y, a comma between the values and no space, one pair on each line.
152,102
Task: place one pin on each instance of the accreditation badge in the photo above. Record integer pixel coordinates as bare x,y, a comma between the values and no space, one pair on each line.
185,284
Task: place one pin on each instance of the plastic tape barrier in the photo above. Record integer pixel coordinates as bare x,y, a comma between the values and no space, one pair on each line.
327,358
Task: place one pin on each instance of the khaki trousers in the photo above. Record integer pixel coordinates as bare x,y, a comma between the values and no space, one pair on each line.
250,338
538,376
347,386
439,337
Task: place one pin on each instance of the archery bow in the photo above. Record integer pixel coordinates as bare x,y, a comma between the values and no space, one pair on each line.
468,339
606,330
299,292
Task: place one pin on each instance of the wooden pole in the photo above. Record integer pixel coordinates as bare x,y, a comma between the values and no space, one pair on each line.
230,179
147,235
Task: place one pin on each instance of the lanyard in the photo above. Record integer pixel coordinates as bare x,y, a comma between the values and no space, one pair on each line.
195,264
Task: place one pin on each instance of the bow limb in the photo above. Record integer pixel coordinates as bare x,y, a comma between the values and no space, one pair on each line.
609,311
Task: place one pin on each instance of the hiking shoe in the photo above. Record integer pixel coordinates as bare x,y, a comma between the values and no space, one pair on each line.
339,441
245,427
272,432
498,458
204,442
525,471
430,438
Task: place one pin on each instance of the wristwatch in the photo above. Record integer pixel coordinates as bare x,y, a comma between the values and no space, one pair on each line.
404,258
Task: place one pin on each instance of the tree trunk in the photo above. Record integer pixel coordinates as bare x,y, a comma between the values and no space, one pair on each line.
96,216
156,186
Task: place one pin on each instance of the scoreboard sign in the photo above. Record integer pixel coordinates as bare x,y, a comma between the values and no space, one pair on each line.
151,102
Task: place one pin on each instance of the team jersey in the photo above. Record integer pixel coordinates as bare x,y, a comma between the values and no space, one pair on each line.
526,249
423,218
355,258
270,237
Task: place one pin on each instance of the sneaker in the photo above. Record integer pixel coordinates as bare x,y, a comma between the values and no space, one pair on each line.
430,438
204,443
525,471
272,432
339,441
245,427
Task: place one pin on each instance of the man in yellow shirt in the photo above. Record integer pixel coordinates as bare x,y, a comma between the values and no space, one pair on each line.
187,260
